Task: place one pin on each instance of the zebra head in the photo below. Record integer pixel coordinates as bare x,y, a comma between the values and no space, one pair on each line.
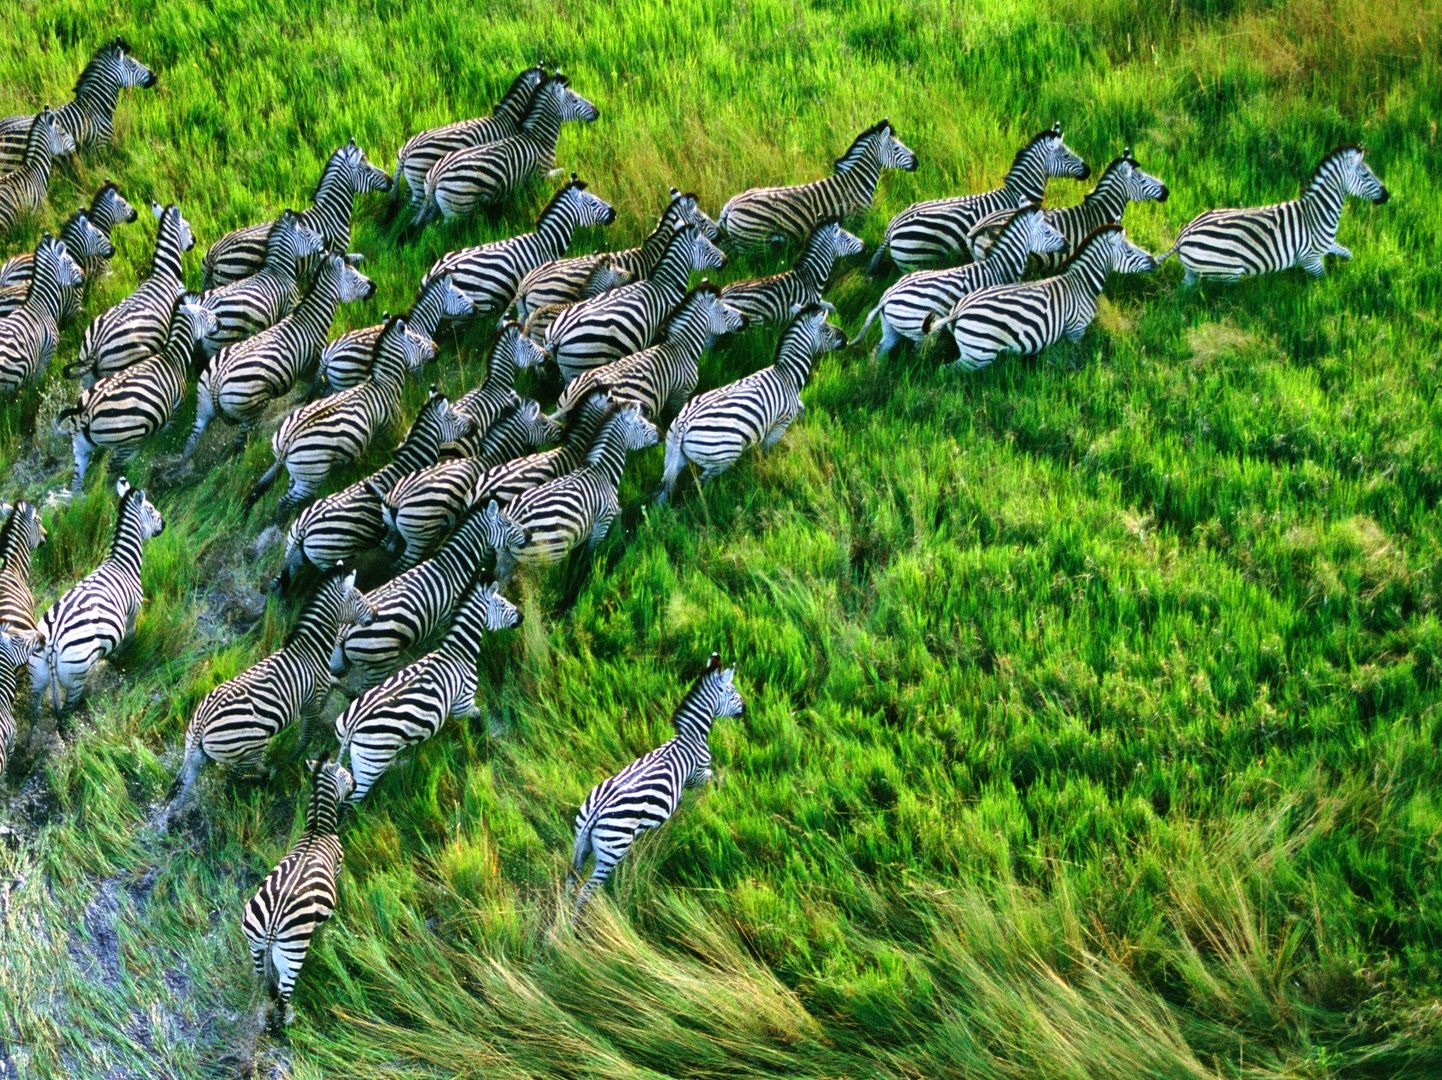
416,348
721,318
537,429
454,303
891,152
1040,236
449,425
199,322
351,284
1138,186
704,254
685,209
133,501
1358,179
605,276
1058,158
503,536
364,177
22,522
1124,257
84,241
331,785
355,609
514,349
637,433
711,697
127,70
46,129
572,105
53,260
303,241
489,609
518,95
16,648
184,237
584,206
110,208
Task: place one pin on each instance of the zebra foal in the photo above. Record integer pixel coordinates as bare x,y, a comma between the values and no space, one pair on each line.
29,334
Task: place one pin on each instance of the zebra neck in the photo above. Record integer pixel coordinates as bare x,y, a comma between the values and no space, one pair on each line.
609,460
74,241
101,216
425,314
43,295
317,311
463,641
460,556
555,230
321,816
673,272
420,448
1322,206
1088,273
692,722
8,679
1007,260
858,181
315,631
644,259
795,367
687,336
330,211
95,97
1104,204
14,556
176,356
815,265
125,548
1026,179
166,264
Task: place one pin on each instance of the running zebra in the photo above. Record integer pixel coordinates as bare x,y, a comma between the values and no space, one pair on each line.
489,274
1228,245
519,430
475,176
138,326
28,335
1025,318
922,294
626,320
121,411
23,189
487,403
647,792
299,895
349,523
934,232
346,361
663,377
603,277
21,534
323,435
16,649
411,607
717,427
424,149
347,173
243,379
787,214
409,707
96,615
84,243
107,209
559,515
245,307
235,722
89,119
772,299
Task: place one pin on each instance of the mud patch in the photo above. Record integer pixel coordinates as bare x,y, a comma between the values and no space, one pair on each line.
97,953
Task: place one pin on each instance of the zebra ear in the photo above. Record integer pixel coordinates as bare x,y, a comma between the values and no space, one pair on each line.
122,486
728,675
1056,127
714,664
493,511
157,210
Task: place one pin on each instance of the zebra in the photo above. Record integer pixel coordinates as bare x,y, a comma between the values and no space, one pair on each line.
350,522
716,428
23,188
121,411
242,379
347,173
1228,245
476,176
234,723
763,215
137,326
28,335
922,294
410,706
625,320
322,435
411,607
245,307
773,299
346,361
602,278
490,273
299,895
84,243
16,649
108,208
557,516
934,232
21,534
519,430
564,281
496,395
89,119
663,377
1025,318
647,792
425,148
96,615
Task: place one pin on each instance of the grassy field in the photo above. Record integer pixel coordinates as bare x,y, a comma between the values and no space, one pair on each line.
1093,700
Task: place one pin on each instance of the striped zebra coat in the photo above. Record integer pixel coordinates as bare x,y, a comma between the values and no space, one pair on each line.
717,427
1027,317
924,294
347,173
299,895
122,410
424,149
663,377
496,395
349,523
243,379
346,361
626,320
108,208
84,243
647,792
787,214
489,274
89,118
1228,245
16,649
558,516
603,277
410,706
411,607
475,176
28,335
97,615
323,435
234,723
137,326
519,430
24,188
249,305
20,535
773,299
934,232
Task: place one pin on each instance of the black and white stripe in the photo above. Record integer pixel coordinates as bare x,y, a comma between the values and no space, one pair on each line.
85,242
251,304
933,233
410,706
773,299
602,278
717,427
96,615
16,649
520,429
28,335
346,361
647,792
23,189
20,535
496,395
788,214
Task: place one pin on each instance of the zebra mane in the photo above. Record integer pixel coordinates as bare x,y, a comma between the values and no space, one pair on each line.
572,184
1331,156
1086,243
7,530
1039,137
1116,163
93,65
518,82
1017,217
339,570
705,288
325,173
857,142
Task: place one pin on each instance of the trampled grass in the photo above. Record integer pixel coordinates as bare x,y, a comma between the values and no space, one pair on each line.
1094,700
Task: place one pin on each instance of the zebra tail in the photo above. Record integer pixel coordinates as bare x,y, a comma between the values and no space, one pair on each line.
263,485
1169,252
870,317
53,670
931,324
581,850
77,367
69,421
185,778
874,267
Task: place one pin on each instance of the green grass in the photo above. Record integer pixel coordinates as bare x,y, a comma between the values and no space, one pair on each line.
1094,700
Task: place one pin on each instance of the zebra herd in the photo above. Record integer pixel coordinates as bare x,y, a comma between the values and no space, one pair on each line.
484,486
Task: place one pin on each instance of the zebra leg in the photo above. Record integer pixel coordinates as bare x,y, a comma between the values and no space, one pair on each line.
204,414
778,430
889,338
1313,265
1340,252
83,448
601,527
